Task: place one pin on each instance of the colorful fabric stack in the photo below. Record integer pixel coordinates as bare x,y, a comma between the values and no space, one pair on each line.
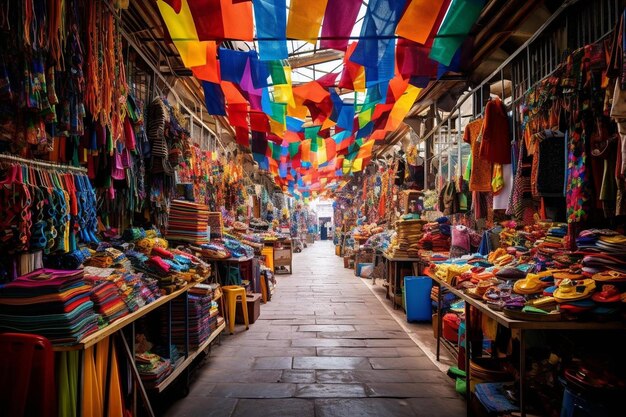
198,319
152,368
52,303
437,236
108,303
215,320
188,222
406,242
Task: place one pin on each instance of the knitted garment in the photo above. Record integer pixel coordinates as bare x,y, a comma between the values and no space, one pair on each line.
551,167
577,190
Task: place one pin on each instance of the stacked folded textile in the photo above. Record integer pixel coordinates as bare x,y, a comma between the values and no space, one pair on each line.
406,242
51,303
188,222
198,319
215,320
152,368
107,302
437,236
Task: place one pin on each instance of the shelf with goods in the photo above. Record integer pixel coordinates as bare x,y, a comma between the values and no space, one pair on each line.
118,325
183,363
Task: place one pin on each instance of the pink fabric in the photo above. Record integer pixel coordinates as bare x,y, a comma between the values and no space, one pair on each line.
339,20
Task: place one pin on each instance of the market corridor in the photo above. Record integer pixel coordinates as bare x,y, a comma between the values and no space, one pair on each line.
324,346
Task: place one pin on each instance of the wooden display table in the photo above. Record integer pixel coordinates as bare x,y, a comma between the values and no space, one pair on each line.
115,330
283,256
394,288
521,325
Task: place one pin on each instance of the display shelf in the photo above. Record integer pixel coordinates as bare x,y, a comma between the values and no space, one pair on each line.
526,324
183,363
117,325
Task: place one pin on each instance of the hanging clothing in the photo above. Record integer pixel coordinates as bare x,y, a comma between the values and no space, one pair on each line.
551,166
495,143
480,175
501,200
577,190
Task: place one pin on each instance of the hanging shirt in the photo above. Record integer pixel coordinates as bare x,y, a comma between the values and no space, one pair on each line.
480,176
495,145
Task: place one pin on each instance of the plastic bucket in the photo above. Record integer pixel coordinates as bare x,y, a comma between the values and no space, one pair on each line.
417,299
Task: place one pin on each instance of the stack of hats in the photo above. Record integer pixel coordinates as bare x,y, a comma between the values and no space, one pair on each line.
188,222
551,246
51,303
601,240
406,242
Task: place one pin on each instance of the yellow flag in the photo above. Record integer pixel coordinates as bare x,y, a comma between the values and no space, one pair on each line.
402,106
283,93
182,30
305,19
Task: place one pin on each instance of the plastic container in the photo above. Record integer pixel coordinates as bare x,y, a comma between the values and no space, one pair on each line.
417,299
451,324
359,267
577,405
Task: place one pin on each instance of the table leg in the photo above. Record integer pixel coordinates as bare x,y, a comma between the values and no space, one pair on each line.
468,354
395,284
522,372
439,321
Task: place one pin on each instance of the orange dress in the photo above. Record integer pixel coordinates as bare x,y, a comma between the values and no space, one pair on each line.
480,177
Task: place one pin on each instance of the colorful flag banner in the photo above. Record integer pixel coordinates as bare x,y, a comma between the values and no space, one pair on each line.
271,26
305,19
339,20
460,18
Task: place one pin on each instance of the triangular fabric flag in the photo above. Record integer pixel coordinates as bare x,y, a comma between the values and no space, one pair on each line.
294,148
305,19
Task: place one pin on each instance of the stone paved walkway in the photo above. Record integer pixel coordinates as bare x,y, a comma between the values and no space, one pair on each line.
324,346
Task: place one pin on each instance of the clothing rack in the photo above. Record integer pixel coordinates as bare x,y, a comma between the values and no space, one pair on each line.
41,164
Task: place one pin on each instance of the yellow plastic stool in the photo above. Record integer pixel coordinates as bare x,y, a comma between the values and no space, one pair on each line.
231,293
263,289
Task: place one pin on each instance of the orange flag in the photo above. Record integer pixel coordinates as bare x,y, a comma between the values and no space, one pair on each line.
418,19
